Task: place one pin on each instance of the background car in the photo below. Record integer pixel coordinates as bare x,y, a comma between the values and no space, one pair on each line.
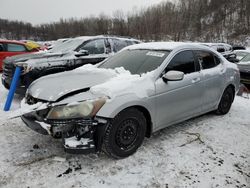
240,54
238,47
58,42
244,67
225,49
34,46
140,90
10,48
68,55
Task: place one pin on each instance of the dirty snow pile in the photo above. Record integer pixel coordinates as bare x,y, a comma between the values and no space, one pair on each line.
206,152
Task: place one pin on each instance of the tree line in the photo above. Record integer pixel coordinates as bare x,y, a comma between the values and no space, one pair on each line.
184,20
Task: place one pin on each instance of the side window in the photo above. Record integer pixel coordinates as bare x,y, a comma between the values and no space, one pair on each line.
217,60
119,44
184,62
94,47
206,59
16,48
1,47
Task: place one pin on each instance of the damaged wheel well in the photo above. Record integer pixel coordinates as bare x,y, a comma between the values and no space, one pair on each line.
233,88
147,116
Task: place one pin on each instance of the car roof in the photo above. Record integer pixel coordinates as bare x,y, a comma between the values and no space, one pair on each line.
106,36
11,41
216,44
245,51
167,46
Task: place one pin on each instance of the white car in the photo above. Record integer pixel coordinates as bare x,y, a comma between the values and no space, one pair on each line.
140,90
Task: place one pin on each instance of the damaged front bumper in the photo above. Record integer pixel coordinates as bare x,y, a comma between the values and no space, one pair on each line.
79,136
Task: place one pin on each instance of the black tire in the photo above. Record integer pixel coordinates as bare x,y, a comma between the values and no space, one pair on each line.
226,101
124,134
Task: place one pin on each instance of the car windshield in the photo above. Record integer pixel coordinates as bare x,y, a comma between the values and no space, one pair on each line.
245,60
67,46
241,55
136,61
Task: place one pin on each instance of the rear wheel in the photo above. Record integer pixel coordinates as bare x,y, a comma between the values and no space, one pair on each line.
226,101
125,133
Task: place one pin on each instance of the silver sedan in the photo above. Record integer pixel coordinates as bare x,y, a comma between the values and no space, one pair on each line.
111,107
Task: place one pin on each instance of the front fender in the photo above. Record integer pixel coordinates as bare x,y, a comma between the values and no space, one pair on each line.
114,106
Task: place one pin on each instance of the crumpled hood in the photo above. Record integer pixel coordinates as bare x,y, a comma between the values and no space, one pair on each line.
53,87
88,81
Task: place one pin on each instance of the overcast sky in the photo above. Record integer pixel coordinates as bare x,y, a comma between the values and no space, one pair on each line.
44,11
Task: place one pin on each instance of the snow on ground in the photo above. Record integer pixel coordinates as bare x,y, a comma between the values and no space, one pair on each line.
168,159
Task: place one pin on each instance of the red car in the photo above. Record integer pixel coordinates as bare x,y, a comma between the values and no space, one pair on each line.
11,48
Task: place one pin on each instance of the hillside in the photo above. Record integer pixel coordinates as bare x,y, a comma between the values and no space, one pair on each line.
196,20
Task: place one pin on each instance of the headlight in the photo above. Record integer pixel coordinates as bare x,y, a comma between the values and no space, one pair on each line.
79,110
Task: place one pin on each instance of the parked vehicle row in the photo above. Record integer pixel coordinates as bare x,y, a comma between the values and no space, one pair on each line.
106,93
68,55
235,54
143,88
225,49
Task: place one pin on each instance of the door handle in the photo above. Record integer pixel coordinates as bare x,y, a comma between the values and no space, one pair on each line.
196,80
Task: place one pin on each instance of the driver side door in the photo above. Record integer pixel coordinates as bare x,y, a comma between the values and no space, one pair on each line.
179,100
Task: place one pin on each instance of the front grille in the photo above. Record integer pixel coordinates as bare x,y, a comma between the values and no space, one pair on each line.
82,122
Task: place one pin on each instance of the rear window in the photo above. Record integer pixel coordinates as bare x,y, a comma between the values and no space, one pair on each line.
15,48
207,59
136,61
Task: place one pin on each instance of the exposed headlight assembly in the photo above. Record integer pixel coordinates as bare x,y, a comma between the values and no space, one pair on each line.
83,109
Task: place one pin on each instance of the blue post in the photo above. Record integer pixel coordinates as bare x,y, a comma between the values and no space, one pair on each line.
12,90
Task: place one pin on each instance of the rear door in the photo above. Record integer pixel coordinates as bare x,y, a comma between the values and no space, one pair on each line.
177,100
212,77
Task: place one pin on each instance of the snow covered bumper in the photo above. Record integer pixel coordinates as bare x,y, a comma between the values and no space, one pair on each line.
80,136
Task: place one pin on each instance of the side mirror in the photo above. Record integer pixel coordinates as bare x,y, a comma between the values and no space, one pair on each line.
173,76
81,53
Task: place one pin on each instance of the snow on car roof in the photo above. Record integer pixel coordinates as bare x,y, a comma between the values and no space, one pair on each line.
103,36
87,37
164,45
246,51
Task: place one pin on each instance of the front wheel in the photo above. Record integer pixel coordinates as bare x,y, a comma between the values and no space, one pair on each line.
225,102
124,134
